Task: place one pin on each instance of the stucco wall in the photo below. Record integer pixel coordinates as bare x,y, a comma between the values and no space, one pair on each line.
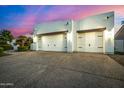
54,26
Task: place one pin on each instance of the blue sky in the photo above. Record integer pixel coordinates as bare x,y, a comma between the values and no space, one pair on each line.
22,19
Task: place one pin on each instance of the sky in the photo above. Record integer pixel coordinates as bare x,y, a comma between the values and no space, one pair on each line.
21,19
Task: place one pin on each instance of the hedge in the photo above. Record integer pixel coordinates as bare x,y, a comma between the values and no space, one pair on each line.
1,49
6,47
24,48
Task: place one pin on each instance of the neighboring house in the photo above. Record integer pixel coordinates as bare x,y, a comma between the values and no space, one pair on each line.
13,44
119,40
92,34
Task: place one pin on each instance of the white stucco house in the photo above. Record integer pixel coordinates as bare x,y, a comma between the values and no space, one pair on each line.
92,34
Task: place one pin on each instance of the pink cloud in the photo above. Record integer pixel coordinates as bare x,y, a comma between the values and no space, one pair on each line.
98,10
26,23
20,31
25,26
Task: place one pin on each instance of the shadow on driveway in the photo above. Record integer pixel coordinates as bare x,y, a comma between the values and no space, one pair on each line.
118,58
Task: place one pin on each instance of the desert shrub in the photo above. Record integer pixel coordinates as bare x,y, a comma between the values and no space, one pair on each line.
23,48
1,49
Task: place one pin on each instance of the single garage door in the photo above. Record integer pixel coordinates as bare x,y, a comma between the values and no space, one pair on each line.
90,42
54,42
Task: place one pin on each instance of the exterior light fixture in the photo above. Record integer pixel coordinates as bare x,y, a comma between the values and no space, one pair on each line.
109,16
67,23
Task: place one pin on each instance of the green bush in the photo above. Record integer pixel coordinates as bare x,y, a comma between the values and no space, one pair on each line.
1,49
6,46
23,48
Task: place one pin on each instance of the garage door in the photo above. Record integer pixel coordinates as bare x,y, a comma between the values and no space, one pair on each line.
54,42
90,42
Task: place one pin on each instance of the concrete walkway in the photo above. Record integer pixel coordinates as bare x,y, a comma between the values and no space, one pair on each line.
50,69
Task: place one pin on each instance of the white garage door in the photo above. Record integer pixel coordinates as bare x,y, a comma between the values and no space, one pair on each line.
90,42
54,42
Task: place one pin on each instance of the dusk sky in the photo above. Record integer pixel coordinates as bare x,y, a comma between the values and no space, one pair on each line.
22,19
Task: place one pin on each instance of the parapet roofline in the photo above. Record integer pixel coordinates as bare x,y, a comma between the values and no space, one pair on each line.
91,30
50,33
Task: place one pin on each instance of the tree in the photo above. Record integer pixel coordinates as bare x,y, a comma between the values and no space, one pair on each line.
21,40
6,35
24,41
29,41
2,40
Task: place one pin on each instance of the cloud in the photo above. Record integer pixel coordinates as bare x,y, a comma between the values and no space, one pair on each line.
27,17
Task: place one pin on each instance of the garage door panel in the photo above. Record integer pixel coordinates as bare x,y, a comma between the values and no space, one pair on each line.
81,42
55,42
90,42
100,41
100,44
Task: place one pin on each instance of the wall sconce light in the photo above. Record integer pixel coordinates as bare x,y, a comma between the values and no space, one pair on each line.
67,23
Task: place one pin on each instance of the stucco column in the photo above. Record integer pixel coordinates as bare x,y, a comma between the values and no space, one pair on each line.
35,41
109,41
70,38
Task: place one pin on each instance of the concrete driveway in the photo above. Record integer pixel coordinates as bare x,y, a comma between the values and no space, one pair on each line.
50,69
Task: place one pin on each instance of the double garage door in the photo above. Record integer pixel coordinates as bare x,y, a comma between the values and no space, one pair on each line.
86,42
90,42
54,42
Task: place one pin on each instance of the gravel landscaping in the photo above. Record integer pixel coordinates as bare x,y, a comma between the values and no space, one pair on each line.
64,70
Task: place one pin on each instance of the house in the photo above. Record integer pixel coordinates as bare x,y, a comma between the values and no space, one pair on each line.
119,40
92,34
119,34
